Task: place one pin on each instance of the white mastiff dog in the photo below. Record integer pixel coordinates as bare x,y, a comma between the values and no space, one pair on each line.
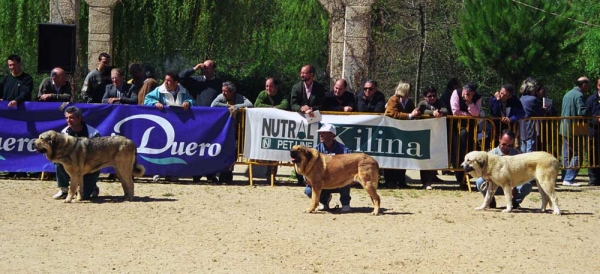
511,171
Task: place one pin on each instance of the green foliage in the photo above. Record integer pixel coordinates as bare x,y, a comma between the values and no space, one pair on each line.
249,40
396,39
18,30
516,41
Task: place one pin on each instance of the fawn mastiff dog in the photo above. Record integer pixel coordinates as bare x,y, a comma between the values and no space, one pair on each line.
81,156
334,171
511,171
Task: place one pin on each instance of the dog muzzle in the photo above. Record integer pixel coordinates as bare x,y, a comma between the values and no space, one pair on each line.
466,168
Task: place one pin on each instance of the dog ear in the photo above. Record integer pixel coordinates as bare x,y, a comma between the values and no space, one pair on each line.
309,155
481,163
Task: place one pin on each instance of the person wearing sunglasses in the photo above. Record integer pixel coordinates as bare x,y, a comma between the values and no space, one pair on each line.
506,147
370,99
430,105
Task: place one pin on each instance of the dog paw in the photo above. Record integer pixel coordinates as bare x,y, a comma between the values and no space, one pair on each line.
374,213
556,212
507,210
480,208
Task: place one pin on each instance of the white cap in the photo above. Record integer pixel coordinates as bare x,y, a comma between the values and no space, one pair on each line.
327,128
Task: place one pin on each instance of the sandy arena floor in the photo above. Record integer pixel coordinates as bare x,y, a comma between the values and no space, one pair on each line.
212,228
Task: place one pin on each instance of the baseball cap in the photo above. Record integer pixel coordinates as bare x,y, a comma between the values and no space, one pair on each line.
327,128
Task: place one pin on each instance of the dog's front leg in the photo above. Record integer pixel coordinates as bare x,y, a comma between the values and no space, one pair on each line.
74,189
508,195
314,202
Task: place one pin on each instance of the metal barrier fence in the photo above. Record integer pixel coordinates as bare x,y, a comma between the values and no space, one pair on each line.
465,134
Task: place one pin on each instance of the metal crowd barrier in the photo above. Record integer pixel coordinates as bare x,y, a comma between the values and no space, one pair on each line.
465,134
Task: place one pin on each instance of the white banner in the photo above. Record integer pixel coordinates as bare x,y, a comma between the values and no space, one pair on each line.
271,133
407,144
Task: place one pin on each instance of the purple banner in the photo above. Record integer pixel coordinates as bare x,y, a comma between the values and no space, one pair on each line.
170,142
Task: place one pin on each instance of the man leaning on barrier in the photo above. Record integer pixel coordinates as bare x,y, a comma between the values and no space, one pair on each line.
573,105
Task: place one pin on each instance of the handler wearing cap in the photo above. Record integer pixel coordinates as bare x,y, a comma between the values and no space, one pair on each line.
328,145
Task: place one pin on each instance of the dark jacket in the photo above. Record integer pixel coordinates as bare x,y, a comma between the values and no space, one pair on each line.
298,96
202,90
63,94
16,88
593,107
127,96
375,104
333,103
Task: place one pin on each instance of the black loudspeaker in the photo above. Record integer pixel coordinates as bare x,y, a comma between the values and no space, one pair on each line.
56,47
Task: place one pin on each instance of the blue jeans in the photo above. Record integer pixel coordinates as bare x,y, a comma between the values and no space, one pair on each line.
570,159
522,190
325,193
89,181
528,145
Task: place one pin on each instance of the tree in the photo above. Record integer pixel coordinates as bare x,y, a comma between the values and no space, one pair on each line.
515,40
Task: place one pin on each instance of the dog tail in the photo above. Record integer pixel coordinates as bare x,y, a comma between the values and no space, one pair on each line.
138,170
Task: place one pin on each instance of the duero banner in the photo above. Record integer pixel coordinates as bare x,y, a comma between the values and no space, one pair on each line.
170,142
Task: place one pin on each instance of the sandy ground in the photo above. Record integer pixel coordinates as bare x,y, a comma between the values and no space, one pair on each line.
212,228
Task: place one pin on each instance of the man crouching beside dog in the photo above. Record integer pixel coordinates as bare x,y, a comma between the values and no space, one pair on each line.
505,147
328,145
80,154
77,128
509,172
325,173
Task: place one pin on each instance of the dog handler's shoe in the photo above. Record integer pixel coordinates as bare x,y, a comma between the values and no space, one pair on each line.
95,192
346,208
61,194
567,183
325,207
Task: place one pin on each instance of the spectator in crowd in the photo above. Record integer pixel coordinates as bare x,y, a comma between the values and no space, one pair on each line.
96,81
339,99
137,77
466,103
452,85
170,93
55,88
271,97
504,148
328,145
548,128
16,87
370,99
307,95
593,106
533,108
229,98
506,107
149,84
77,128
203,88
400,106
549,109
119,92
573,105
431,107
